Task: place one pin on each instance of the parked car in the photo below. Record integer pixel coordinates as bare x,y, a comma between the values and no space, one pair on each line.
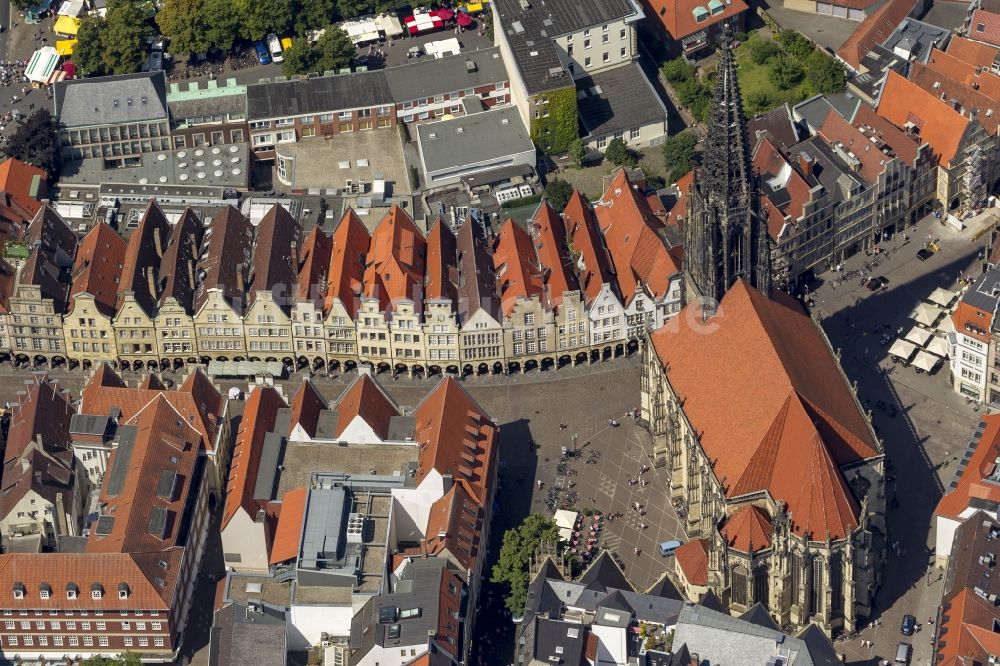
262,53
274,44
155,61
924,254
667,548
902,653
877,283
908,626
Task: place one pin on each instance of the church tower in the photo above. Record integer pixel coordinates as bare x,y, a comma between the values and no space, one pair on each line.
725,232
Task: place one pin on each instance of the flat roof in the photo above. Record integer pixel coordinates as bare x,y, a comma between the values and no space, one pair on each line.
618,99
321,94
303,459
479,137
218,166
434,76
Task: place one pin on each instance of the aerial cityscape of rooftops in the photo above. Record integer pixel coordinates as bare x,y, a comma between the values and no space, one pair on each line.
500,332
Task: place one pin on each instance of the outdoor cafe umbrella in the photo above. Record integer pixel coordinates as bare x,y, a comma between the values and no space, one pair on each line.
464,20
926,314
942,297
918,336
445,14
902,349
925,361
938,346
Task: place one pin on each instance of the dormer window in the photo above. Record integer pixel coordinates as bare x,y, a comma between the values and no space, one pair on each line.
96,591
71,590
44,591
19,590
123,590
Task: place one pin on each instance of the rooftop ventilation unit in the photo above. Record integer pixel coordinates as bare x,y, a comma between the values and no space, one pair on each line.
355,528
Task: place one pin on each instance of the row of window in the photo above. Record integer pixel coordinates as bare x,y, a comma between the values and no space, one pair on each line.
75,641
100,625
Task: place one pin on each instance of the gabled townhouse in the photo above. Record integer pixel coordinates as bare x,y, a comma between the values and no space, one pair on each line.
138,292
176,284
391,313
271,287
345,287
310,288
692,28
965,150
41,496
646,263
220,296
561,294
529,329
984,57
595,274
481,337
41,288
97,271
441,300
106,403
973,343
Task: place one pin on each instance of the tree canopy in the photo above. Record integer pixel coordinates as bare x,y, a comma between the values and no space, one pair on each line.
195,26
786,72
124,659
36,141
678,154
88,55
825,74
123,39
558,192
618,153
332,51
519,544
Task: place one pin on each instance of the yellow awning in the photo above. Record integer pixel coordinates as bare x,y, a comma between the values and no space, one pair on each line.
65,46
66,25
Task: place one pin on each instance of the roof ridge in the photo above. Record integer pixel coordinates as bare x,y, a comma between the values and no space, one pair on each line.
822,468
764,455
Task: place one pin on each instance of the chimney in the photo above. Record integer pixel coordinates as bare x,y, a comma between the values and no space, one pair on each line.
806,163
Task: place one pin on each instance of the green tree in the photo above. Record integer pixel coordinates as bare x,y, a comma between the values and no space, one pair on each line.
124,36
348,9
678,154
185,24
519,544
558,192
124,659
313,14
785,72
222,24
796,44
678,70
334,49
757,102
696,97
578,151
825,74
256,19
618,153
763,50
88,55
36,141
300,58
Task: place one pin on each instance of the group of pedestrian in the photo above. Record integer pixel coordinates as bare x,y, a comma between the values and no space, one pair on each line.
12,72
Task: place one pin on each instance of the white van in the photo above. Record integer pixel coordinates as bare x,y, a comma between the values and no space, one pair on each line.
274,46
902,654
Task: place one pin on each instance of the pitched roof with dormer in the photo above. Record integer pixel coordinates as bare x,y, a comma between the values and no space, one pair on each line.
275,258
314,266
97,270
550,239
365,398
791,409
972,52
938,124
226,262
348,258
593,266
442,267
23,184
51,245
178,267
396,261
142,259
516,265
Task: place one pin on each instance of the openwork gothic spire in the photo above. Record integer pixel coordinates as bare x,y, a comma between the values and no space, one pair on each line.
726,234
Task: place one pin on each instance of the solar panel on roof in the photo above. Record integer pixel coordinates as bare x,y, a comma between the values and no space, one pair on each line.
158,521
105,524
165,486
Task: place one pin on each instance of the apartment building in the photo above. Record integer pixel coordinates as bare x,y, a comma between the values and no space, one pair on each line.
219,296
97,271
345,287
441,299
42,497
138,292
481,337
973,355
271,287
41,289
176,283
310,288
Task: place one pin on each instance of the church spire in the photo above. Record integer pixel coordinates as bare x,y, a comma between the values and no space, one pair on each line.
726,237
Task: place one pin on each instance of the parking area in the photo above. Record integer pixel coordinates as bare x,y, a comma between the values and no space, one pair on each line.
828,31
394,52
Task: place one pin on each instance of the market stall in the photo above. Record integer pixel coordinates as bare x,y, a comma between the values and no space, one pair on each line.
424,22
42,66
361,31
444,47
65,47
66,25
389,24
566,522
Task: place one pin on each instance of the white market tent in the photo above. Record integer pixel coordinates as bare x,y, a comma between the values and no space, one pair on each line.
938,346
918,336
902,349
942,297
925,314
444,47
361,31
389,24
565,521
71,8
42,65
925,361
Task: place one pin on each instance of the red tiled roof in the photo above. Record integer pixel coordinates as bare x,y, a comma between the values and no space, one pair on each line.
966,635
16,178
964,72
549,235
347,263
970,320
971,483
938,83
259,416
872,161
692,558
594,263
365,398
396,266
197,399
972,52
678,17
227,259
789,410
288,534
306,406
748,529
98,267
164,443
275,257
178,267
50,239
142,259
442,265
679,210
631,233
314,264
152,382
904,145
454,523
985,27
518,273
874,30
939,125
772,164
456,437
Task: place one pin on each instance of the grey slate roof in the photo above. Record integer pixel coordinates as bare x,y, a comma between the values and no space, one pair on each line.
431,76
241,636
483,136
617,99
323,94
111,100
530,26
982,294
917,38
814,110
777,123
